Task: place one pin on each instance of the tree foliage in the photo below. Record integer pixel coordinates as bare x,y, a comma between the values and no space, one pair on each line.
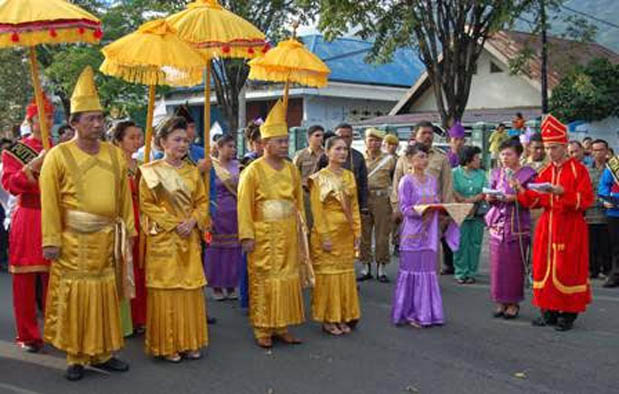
15,88
448,35
588,92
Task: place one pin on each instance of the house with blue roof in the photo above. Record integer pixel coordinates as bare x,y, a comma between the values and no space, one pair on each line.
357,90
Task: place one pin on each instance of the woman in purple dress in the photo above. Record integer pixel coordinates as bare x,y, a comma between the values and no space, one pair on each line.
510,231
417,299
223,256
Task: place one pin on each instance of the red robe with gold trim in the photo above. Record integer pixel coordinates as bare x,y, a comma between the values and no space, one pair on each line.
25,245
561,247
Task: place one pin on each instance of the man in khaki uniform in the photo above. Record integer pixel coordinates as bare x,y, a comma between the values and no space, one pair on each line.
391,143
306,160
380,167
439,168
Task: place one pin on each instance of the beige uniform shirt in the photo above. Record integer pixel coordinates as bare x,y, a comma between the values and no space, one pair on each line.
380,170
305,160
438,167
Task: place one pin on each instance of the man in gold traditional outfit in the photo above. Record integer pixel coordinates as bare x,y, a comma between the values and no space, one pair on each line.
270,206
87,216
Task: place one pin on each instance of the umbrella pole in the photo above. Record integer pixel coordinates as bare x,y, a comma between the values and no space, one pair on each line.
207,128
286,93
38,97
149,123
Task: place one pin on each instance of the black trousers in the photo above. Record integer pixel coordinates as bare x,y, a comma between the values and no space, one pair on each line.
613,230
448,256
599,249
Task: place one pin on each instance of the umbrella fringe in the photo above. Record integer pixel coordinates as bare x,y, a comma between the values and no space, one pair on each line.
152,75
302,77
60,36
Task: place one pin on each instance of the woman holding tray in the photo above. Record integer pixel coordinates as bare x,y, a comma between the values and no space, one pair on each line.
417,299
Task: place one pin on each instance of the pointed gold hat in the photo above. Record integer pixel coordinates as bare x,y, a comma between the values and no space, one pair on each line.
275,124
85,97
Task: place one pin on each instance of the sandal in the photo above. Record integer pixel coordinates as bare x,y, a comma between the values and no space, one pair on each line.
331,329
414,324
344,328
174,358
194,355
499,311
508,316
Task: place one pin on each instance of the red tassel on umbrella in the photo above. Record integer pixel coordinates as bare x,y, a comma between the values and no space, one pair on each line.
81,30
15,37
250,51
266,47
98,34
53,33
226,49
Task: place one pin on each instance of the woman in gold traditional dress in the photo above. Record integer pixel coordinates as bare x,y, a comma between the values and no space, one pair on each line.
173,202
334,240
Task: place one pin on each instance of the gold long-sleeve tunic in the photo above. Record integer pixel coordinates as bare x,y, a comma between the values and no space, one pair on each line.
84,198
176,310
269,201
337,220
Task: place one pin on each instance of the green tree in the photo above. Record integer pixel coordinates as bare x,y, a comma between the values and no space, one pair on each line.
15,87
448,35
588,92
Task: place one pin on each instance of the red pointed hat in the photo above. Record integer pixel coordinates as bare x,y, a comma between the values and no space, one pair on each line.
32,110
553,131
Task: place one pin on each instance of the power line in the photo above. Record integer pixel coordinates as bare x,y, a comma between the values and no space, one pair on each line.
591,17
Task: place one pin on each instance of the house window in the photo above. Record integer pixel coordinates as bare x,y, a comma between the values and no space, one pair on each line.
494,68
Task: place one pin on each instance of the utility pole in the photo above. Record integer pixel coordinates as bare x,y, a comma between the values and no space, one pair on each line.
544,70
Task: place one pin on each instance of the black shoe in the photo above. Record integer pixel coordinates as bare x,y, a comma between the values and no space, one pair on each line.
74,372
113,365
447,271
461,281
364,277
548,318
383,279
564,324
470,281
31,347
497,314
608,284
211,320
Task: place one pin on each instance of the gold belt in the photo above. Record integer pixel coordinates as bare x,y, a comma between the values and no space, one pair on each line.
88,223
273,210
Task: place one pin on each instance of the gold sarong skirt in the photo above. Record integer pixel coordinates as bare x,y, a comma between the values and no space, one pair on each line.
82,310
175,321
335,298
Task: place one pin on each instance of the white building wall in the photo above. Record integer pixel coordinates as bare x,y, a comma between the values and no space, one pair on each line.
606,129
490,90
329,111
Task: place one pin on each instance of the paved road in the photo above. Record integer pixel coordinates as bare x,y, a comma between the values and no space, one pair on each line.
472,353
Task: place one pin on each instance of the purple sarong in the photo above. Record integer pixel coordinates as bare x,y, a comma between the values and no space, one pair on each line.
223,257
417,297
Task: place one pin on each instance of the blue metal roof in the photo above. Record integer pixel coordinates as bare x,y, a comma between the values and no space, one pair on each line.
346,59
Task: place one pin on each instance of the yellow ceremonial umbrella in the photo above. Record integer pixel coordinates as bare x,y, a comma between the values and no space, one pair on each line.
216,32
27,23
290,62
153,55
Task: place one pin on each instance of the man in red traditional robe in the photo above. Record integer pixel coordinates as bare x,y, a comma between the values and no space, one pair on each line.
21,165
560,255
